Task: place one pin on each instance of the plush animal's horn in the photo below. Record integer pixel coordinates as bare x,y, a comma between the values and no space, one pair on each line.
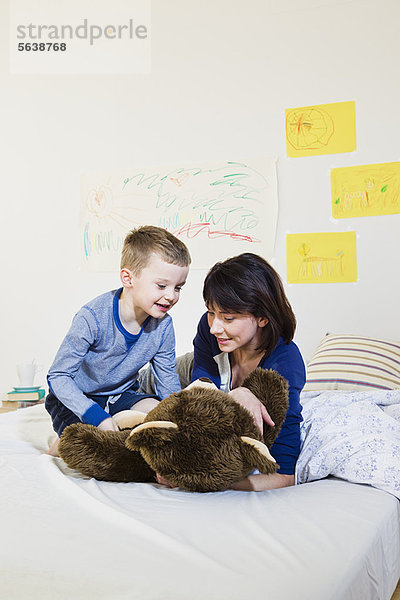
154,424
262,448
203,382
129,418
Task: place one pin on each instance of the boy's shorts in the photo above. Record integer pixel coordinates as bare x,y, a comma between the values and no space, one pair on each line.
62,416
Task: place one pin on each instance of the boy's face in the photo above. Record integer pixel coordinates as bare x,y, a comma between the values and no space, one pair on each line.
157,287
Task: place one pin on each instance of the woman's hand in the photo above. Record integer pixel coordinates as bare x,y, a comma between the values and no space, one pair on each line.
247,399
163,481
108,425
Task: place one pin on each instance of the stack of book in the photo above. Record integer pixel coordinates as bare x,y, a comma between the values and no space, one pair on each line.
23,397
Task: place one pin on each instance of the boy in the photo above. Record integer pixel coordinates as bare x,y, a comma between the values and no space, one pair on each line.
95,372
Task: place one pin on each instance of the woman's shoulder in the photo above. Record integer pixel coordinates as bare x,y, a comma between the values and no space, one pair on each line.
287,360
287,350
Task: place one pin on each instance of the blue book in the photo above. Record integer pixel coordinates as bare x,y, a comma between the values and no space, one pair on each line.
20,395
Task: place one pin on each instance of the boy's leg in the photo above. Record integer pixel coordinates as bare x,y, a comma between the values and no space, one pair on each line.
145,405
61,417
134,414
131,408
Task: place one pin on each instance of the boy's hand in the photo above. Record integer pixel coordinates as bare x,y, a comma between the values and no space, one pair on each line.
108,425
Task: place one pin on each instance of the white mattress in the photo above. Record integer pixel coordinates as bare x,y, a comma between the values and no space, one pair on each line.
64,537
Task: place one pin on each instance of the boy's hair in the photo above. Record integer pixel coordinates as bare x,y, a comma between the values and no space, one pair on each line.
248,284
140,243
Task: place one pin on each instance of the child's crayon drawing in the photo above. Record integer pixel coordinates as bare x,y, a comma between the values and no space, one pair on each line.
366,190
218,211
323,129
321,257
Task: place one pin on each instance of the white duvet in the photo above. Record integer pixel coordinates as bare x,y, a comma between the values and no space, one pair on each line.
351,435
65,537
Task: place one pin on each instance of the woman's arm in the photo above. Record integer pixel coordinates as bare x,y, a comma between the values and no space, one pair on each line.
260,483
251,483
288,362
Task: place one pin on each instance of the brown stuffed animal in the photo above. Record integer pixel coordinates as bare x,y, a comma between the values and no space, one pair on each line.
199,439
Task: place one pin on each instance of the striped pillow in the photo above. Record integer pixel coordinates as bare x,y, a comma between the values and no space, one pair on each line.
352,362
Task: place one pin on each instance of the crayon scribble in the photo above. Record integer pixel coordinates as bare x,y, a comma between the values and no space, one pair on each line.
192,230
100,242
232,201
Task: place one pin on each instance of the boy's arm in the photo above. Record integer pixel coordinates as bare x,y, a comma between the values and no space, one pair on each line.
163,365
80,337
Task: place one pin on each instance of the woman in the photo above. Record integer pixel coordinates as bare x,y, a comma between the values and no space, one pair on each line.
250,323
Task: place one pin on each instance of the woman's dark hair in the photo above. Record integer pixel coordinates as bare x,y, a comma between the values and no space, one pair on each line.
248,284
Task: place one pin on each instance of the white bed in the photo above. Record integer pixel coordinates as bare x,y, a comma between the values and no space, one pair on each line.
65,537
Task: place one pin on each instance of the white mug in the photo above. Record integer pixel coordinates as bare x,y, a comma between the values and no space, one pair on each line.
26,373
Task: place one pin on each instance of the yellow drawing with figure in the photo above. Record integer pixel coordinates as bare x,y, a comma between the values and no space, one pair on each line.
321,129
366,190
321,257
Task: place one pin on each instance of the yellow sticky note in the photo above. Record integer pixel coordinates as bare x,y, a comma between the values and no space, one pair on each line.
366,190
321,257
321,129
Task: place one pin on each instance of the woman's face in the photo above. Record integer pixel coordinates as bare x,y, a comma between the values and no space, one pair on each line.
235,330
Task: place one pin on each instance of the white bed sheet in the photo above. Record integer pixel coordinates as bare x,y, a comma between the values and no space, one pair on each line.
65,537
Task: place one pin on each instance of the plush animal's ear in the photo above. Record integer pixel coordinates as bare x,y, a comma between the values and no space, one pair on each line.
256,454
150,434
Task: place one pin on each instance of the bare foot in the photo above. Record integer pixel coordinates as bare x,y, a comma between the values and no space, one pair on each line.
53,450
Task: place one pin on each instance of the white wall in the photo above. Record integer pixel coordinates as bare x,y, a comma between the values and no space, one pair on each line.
223,72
